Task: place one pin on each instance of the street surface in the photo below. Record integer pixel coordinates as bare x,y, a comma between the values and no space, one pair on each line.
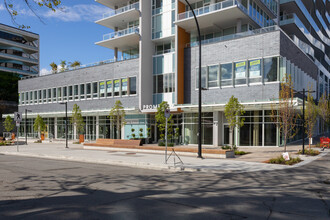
34,188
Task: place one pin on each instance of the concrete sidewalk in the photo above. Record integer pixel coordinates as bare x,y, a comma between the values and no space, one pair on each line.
156,160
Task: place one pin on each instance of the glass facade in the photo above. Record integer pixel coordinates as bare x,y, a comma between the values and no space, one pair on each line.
191,128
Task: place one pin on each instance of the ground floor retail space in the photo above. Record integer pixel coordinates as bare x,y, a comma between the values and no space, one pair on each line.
258,129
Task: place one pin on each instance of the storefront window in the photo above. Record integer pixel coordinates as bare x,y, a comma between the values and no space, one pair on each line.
213,76
226,74
109,88
102,89
191,128
240,73
270,69
254,71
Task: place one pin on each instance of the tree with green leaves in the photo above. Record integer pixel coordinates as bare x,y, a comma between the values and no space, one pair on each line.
117,114
324,110
75,64
8,124
161,121
11,8
284,115
54,67
39,125
310,116
77,119
233,112
63,65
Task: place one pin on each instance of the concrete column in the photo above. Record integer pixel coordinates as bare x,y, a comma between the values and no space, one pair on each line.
216,129
74,132
55,128
239,25
97,126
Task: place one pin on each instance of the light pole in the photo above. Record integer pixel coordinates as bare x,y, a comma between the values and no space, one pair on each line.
199,134
26,111
303,119
66,123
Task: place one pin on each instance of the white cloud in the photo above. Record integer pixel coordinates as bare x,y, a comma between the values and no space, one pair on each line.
82,12
45,71
2,8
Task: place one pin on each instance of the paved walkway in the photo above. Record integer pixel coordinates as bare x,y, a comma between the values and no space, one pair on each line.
156,160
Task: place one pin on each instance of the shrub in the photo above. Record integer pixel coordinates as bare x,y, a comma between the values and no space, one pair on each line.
226,147
38,141
162,143
281,160
237,152
310,152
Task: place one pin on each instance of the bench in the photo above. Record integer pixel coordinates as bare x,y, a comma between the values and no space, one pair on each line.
101,142
324,142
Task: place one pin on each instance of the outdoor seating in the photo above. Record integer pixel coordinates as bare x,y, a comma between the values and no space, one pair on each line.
325,142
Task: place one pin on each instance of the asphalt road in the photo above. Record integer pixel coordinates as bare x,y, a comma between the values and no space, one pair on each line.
32,188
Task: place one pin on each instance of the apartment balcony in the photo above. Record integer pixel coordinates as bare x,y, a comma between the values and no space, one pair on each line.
292,25
112,3
221,14
27,48
303,46
18,71
120,17
26,61
123,40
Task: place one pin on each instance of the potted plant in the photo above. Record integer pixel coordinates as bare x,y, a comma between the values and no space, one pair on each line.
133,134
40,126
148,135
78,121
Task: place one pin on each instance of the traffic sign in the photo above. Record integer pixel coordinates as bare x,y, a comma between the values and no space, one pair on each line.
17,123
167,113
18,116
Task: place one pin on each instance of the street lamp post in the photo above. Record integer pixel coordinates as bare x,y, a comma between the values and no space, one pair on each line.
199,85
66,123
26,111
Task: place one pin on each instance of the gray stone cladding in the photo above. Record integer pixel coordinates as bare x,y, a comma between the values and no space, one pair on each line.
127,68
270,44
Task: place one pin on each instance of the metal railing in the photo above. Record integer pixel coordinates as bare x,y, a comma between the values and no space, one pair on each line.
234,36
121,33
121,10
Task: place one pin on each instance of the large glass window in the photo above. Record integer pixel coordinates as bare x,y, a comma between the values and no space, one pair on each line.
54,94
22,98
132,85
59,94
158,65
31,97
124,86
116,87
270,69
39,96
109,88
44,95
95,92
26,98
164,83
240,73
213,76
226,74
88,90
70,92
82,91
191,128
254,71
65,93
35,97
102,89
76,92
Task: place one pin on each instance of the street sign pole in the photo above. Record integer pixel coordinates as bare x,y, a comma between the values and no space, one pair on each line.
167,115
17,126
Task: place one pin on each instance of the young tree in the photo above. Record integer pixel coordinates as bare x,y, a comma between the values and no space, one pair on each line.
39,125
117,114
324,110
233,112
54,67
63,65
310,116
161,121
77,120
13,13
8,124
284,115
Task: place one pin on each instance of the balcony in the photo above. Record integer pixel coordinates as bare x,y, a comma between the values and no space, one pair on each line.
18,71
120,17
112,3
26,61
221,14
27,48
123,40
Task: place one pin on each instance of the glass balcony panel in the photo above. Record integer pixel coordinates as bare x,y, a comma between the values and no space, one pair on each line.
122,10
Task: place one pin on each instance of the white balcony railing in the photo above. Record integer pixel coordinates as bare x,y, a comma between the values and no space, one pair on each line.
121,33
121,10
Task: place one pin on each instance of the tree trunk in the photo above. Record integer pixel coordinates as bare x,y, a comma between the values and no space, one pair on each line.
231,135
284,143
118,128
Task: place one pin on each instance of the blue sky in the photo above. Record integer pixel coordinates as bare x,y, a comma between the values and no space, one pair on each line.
67,34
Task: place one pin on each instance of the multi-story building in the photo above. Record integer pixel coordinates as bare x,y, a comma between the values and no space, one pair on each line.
248,46
19,57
